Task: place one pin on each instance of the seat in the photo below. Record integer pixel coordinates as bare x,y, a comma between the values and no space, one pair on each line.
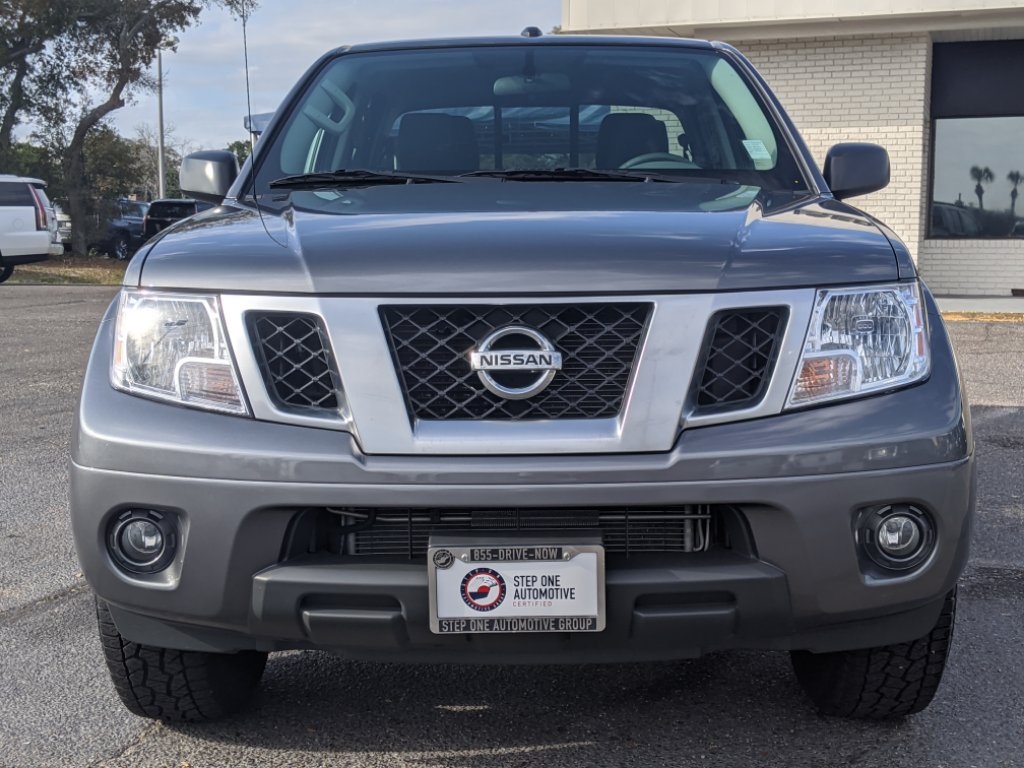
437,143
624,135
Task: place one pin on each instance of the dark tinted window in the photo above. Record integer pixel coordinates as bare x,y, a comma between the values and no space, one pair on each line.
978,79
137,210
171,210
978,155
15,193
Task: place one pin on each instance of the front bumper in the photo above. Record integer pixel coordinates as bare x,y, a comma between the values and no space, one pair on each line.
804,589
798,480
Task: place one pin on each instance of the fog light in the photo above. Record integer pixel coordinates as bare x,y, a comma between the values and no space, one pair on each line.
897,537
142,540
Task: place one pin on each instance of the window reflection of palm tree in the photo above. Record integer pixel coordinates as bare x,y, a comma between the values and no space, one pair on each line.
1015,178
981,176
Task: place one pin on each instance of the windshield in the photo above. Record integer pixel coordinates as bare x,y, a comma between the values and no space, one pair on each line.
667,110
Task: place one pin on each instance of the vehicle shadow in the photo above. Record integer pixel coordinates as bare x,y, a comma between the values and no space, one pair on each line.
743,708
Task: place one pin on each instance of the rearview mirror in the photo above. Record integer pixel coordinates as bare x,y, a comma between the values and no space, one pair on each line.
856,169
522,85
208,175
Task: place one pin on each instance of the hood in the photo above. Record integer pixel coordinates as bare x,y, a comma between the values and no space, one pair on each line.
515,238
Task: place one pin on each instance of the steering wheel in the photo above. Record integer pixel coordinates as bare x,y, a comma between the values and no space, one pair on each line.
658,160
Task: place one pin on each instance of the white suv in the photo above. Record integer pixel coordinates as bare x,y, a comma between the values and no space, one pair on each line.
28,226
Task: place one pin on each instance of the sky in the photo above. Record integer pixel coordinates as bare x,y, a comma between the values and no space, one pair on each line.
204,80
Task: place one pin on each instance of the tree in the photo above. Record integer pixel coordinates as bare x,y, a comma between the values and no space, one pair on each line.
146,148
68,64
1015,178
113,165
25,159
981,176
241,149
115,53
27,27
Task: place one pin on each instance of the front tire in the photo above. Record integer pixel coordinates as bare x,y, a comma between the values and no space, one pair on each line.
177,686
5,272
881,683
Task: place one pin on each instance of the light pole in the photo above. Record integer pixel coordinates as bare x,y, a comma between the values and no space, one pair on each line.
168,42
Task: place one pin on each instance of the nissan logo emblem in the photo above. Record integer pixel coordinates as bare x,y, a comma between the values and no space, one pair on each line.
504,364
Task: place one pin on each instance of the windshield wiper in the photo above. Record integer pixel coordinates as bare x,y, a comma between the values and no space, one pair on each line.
355,178
568,174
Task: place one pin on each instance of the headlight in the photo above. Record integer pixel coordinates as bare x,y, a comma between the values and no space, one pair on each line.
171,346
862,340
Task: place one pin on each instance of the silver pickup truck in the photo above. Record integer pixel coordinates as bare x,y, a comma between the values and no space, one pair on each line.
525,350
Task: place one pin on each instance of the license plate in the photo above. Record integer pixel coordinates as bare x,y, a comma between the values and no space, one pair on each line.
526,586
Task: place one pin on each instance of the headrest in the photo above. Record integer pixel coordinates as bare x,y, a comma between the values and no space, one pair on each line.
436,142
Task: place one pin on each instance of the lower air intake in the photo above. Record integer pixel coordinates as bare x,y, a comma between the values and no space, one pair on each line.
406,532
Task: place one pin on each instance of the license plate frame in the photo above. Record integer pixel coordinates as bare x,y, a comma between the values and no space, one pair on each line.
578,557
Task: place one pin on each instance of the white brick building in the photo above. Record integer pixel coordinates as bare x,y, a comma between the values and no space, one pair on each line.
869,76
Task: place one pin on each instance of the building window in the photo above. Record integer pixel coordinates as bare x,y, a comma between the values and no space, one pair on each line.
977,140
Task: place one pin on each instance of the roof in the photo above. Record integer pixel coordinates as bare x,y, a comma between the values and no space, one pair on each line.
508,40
24,179
739,20
257,123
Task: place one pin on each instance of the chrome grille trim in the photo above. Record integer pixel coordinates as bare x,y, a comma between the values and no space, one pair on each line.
658,401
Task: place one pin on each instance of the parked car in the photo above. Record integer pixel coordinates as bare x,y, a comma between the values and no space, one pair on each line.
122,225
668,395
949,220
63,224
163,213
28,226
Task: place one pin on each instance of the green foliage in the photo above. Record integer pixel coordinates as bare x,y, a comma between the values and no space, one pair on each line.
28,30
113,165
241,149
67,65
25,159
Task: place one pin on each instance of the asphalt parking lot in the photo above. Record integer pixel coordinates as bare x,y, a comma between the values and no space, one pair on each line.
57,707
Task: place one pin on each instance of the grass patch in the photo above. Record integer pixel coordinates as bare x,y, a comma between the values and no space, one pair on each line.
70,270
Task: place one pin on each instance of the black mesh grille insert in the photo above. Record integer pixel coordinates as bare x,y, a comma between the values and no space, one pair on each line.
406,532
598,343
296,360
740,355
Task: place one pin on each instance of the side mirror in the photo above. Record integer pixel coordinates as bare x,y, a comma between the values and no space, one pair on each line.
208,175
856,169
